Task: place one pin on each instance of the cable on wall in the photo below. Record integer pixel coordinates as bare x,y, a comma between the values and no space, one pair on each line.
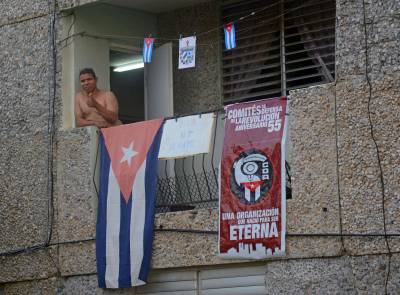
51,116
163,40
52,86
342,246
378,157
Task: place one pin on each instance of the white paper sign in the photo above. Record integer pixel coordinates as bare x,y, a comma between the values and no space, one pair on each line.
187,52
186,136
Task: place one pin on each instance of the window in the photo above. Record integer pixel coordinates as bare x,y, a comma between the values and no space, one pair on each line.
285,45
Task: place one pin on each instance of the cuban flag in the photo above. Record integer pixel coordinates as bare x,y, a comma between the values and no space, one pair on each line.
147,49
230,36
128,180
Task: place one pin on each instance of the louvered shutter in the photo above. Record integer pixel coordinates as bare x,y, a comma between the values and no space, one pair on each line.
220,280
286,45
171,282
249,280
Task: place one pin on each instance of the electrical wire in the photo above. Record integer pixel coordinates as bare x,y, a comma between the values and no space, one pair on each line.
197,231
214,232
24,19
343,248
51,116
51,130
241,18
69,36
169,39
378,157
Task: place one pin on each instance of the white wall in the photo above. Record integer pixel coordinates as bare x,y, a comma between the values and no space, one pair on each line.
92,53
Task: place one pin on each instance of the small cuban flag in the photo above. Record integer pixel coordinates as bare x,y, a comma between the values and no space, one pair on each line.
147,49
230,36
128,181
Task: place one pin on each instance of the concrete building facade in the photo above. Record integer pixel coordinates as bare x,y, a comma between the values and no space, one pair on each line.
344,216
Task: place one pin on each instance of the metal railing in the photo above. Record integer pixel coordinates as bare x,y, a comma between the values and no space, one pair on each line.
191,182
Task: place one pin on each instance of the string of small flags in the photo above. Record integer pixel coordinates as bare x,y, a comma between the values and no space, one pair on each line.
187,47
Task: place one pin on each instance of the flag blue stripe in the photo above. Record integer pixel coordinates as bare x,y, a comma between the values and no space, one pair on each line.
226,39
230,38
124,278
144,51
233,37
149,52
102,215
151,186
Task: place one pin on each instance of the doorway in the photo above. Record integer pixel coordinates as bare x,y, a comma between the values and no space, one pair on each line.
127,85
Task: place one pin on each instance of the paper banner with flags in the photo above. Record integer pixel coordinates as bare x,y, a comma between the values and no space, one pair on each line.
252,180
230,36
148,45
128,180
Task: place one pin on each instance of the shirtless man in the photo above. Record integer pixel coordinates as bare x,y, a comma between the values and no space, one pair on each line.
94,106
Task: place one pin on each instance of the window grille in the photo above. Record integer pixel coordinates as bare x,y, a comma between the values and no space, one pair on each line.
192,182
289,45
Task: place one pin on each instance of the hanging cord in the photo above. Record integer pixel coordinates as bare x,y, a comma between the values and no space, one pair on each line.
342,247
69,35
51,118
51,133
241,18
24,19
168,39
382,183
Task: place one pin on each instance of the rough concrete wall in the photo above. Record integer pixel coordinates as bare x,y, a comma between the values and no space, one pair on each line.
359,172
69,268
344,275
195,89
25,74
23,128
17,10
339,275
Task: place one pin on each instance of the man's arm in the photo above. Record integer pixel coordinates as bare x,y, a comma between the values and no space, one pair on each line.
110,111
82,122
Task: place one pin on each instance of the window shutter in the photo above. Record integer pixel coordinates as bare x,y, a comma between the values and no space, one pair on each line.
286,45
249,280
172,282
220,280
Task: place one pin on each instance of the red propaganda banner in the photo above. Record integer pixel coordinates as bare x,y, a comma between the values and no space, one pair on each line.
252,205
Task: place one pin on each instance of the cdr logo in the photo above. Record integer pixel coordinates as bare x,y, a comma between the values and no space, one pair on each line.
251,176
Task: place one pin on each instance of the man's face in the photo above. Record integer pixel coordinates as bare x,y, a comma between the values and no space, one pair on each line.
88,82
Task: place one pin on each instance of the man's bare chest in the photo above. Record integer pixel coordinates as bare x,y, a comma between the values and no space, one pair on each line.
89,105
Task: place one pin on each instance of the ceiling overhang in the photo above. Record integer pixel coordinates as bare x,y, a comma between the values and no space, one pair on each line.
154,6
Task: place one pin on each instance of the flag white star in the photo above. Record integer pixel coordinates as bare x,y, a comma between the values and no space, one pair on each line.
129,153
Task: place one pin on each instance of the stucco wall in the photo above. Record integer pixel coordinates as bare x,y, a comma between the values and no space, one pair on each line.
359,171
335,167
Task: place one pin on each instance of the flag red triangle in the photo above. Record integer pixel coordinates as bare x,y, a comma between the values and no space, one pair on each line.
127,146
